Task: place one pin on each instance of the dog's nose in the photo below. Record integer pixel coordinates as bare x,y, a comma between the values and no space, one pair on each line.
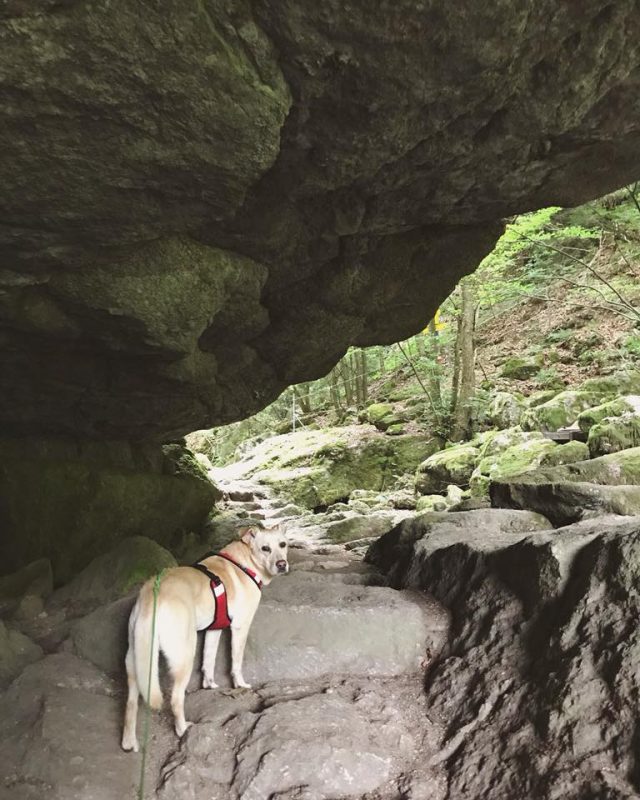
281,565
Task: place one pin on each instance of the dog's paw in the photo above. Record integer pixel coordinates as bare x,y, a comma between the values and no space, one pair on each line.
208,683
181,730
130,745
240,684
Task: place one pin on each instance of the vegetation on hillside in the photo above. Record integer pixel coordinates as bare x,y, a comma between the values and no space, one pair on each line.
556,302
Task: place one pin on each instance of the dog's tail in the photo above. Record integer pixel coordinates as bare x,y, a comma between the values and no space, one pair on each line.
145,658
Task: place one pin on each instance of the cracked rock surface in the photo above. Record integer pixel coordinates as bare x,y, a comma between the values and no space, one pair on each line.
537,687
205,201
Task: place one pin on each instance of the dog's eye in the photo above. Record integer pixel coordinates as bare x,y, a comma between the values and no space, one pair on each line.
283,545
266,548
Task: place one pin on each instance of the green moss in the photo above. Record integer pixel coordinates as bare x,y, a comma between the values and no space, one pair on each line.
519,368
613,435
83,509
612,408
452,465
524,457
559,412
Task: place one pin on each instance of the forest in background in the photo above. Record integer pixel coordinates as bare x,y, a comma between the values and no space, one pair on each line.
557,301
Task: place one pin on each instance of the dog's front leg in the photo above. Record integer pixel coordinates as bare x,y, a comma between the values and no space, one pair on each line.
211,642
238,642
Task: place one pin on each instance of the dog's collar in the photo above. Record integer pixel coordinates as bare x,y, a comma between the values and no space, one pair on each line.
253,575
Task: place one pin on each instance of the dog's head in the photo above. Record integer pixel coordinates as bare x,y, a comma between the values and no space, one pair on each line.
268,548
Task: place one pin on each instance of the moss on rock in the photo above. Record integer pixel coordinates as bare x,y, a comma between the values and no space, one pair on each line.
505,410
452,465
614,434
521,458
116,573
315,468
612,408
559,412
519,368
92,495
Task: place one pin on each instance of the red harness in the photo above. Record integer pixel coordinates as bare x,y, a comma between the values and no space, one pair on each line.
221,618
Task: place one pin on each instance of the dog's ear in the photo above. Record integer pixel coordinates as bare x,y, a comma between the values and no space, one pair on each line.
247,535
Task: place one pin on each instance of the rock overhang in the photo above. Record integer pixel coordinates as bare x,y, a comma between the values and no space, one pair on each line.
205,203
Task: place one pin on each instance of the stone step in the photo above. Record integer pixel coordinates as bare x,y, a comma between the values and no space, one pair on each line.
309,625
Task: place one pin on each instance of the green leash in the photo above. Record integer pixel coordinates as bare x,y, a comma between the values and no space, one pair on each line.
145,737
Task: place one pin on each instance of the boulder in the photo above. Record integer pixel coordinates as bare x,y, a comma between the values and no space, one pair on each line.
613,434
308,625
519,368
114,574
369,526
505,410
36,579
503,440
431,502
316,468
524,457
60,727
612,408
559,412
543,627
452,465
542,396
377,413
615,469
16,651
92,495
565,502
405,546
626,382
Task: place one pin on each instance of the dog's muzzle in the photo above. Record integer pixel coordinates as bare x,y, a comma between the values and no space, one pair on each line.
282,565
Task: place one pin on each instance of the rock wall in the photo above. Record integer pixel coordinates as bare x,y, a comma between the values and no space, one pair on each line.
70,502
537,687
205,201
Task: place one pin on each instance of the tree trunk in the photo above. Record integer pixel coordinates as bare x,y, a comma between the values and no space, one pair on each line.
303,397
334,389
435,388
465,351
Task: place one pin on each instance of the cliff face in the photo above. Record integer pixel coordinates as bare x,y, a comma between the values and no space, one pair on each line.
205,201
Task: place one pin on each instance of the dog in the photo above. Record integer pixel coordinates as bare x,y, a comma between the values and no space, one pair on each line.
186,603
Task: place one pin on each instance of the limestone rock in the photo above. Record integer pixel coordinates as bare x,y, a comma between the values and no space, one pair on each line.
561,411
524,457
431,502
71,501
613,434
452,465
505,410
519,368
36,579
16,651
315,468
404,547
325,171
565,502
503,440
360,527
612,408
114,574
510,662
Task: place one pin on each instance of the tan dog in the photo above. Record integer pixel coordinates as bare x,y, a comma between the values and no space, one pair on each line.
186,605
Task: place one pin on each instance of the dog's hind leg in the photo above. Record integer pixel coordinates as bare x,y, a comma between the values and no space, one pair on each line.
178,640
129,738
211,642
238,642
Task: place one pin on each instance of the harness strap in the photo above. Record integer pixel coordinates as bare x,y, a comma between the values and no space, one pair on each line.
221,618
253,575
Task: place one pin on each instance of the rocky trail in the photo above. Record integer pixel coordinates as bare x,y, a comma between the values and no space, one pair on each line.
338,663
471,654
